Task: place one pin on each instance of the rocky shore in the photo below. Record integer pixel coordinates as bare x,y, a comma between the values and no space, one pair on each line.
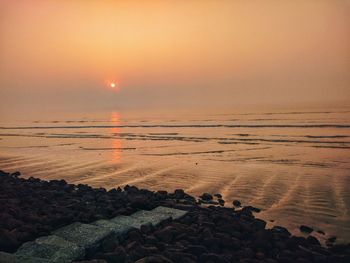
209,232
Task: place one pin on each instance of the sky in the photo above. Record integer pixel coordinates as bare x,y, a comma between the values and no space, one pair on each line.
63,55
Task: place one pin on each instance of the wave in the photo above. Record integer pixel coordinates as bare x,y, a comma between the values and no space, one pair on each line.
341,126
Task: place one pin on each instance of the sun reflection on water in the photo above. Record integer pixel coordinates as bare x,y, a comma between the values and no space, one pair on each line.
116,142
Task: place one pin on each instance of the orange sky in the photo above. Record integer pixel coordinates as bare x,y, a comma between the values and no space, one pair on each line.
60,54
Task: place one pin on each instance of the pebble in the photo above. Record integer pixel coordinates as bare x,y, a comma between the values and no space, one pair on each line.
306,229
236,203
206,197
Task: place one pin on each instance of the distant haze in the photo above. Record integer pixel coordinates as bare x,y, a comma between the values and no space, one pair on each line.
57,55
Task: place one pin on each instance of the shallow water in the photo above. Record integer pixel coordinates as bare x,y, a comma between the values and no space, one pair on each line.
295,165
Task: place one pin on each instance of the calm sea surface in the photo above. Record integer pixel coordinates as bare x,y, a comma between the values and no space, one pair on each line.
295,165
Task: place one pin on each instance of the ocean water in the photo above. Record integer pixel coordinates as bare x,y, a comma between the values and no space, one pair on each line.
294,165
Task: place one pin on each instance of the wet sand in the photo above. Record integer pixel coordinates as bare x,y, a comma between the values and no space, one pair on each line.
292,164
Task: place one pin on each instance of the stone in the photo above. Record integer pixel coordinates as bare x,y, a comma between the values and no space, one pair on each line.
118,228
196,249
236,203
179,194
84,235
16,174
332,239
154,259
92,261
53,248
169,212
166,234
8,241
206,197
306,229
313,241
12,258
281,231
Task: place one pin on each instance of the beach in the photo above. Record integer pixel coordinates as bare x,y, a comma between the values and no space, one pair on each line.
293,164
206,231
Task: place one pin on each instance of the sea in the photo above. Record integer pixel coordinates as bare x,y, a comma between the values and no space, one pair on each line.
293,164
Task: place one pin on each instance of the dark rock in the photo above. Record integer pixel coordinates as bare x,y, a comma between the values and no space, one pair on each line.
312,241
16,174
211,258
206,197
162,194
91,261
179,194
114,257
154,259
305,229
259,223
8,241
321,232
332,239
196,249
166,234
251,208
236,203
218,195
281,230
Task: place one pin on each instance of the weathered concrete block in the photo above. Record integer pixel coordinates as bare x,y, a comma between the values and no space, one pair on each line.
156,215
147,217
53,248
84,235
167,212
125,221
12,258
115,227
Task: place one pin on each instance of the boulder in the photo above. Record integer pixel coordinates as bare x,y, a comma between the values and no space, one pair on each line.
52,248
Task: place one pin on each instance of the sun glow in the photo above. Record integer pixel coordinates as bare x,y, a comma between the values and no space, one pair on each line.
113,86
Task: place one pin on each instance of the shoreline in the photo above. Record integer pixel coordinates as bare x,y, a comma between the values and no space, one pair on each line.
32,208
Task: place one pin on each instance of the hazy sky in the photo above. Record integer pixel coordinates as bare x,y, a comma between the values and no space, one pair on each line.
63,54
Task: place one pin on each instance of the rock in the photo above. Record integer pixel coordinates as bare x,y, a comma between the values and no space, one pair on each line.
211,258
251,209
16,174
51,248
8,241
306,229
196,249
332,239
91,261
206,197
114,256
312,241
162,194
84,235
154,259
281,231
166,234
236,203
11,258
259,223
2,173
179,194
221,202
139,201
218,195
321,232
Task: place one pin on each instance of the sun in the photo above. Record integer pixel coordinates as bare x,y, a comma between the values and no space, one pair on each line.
112,85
